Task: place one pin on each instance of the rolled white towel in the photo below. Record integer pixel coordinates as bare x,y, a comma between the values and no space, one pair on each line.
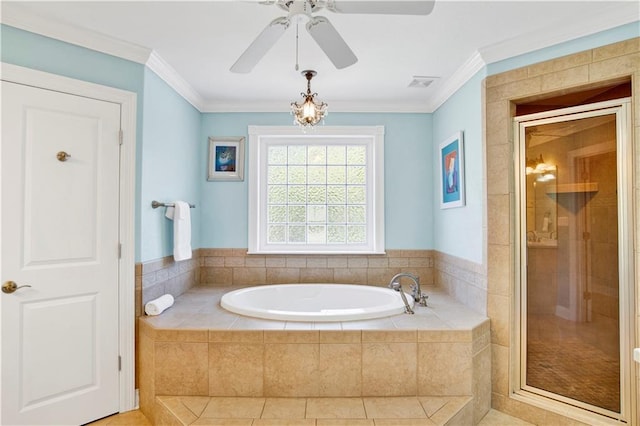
157,306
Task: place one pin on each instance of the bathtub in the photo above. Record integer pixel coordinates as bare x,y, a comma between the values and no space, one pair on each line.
315,302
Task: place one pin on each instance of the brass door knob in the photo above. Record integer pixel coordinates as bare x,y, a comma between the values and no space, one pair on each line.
63,156
11,286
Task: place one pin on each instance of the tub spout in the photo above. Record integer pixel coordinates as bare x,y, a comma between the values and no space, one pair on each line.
395,285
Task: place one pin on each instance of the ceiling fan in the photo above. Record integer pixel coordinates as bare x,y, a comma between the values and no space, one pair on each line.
320,28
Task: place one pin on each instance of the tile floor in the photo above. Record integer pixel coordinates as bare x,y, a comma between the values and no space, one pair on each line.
136,418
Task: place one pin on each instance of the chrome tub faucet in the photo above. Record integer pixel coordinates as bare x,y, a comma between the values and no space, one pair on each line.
416,292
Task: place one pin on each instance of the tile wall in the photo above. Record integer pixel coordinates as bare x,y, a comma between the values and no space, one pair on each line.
318,363
502,91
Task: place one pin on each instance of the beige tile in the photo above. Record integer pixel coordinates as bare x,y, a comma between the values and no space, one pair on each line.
481,383
181,368
453,406
345,336
350,275
276,336
501,156
296,262
340,369
500,369
203,421
499,311
453,374
234,261
394,408
233,408
337,262
565,78
316,275
130,418
560,64
397,336
444,336
497,418
618,66
168,335
345,422
319,262
249,276
431,404
163,416
403,422
255,261
226,379
291,370
284,408
398,262
214,261
357,262
179,410
499,280
617,49
236,336
377,261
283,275
389,369
275,262
196,404
284,422
506,77
498,222
335,408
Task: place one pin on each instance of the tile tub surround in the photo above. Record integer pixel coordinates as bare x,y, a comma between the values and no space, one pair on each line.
501,93
235,266
196,348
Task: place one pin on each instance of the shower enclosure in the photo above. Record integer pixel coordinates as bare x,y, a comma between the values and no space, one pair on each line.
575,307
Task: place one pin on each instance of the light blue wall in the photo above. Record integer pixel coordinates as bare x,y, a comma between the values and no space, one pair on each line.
408,176
169,166
459,231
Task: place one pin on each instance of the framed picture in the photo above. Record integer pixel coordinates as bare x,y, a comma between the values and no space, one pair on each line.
452,172
226,158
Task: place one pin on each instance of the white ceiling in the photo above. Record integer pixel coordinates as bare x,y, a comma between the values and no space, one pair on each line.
192,45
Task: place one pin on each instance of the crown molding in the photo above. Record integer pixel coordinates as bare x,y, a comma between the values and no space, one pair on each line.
618,15
170,76
16,16
335,106
451,85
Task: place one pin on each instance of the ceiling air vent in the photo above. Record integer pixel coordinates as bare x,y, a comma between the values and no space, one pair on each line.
421,81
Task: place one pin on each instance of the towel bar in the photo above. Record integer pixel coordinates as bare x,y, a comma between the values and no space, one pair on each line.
155,204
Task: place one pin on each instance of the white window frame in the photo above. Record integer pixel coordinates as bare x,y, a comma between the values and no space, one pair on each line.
261,136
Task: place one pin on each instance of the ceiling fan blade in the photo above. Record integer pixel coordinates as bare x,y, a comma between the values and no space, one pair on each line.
417,7
259,47
331,42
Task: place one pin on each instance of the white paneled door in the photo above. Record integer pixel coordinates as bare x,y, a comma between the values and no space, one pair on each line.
60,249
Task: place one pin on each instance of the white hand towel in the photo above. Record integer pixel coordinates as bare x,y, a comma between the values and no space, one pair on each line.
157,306
181,230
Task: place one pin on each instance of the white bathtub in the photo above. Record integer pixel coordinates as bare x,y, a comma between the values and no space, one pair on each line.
315,302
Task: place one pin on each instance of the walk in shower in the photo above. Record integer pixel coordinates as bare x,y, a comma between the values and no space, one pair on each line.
574,312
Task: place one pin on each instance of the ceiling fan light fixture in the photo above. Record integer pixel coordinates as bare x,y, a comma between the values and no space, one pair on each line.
309,112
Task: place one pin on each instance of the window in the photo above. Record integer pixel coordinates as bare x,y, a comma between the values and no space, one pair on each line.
321,192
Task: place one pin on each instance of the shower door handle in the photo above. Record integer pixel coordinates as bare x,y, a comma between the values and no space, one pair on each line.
11,286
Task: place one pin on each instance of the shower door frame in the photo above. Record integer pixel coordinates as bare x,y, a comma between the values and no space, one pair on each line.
624,159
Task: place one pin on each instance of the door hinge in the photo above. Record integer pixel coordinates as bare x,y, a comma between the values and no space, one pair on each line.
119,250
120,136
119,363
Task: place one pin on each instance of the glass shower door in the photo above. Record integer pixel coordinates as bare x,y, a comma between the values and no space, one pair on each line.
571,286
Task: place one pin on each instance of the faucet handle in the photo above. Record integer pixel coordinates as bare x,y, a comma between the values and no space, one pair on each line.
423,299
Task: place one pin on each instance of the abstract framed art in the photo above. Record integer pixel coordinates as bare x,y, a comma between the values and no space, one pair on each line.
226,158
451,153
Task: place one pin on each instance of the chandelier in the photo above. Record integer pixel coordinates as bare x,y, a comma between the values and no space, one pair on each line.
309,113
